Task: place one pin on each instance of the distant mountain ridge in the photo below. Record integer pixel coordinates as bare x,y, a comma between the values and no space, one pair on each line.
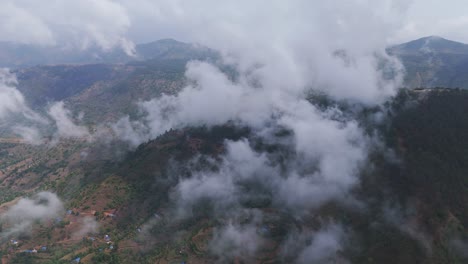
432,44
433,62
429,62
14,55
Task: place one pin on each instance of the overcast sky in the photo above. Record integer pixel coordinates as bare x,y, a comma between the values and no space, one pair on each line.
110,23
447,19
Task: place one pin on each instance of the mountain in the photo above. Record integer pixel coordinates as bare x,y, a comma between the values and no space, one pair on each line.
433,62
103,90
432,44
14,55
100,91
429,62
131,197
172,49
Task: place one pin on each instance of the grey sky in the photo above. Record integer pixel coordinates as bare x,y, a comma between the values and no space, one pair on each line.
447,19
109,23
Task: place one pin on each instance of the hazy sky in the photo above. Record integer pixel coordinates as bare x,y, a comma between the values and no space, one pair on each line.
447,19
110,23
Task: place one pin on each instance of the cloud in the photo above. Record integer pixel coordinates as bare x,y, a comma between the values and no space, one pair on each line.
33,29
88,225
119,23
18,118
294,39
30,135
11,100
246,176
15,115
66,127
432,17
21,216
281,52
133,132
68,23
235,241
325,247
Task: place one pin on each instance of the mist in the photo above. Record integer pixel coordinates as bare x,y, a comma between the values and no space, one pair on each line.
20,119
20,217
66,128
11,100
88,225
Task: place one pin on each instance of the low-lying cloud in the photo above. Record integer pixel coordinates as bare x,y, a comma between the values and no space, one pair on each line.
88,225
233,241
20,119
11,100
66,127
21,216
325,247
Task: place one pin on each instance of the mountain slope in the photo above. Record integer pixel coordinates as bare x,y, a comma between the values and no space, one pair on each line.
100,91
432,44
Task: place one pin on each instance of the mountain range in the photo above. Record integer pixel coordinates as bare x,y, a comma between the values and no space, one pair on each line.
429,62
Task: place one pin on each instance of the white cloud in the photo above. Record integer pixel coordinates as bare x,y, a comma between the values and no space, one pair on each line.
11,100
76,24
294,39
30,134
231,241
22,25
110,23
66,127
25,212
325,247
88,225
432,17
20,119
